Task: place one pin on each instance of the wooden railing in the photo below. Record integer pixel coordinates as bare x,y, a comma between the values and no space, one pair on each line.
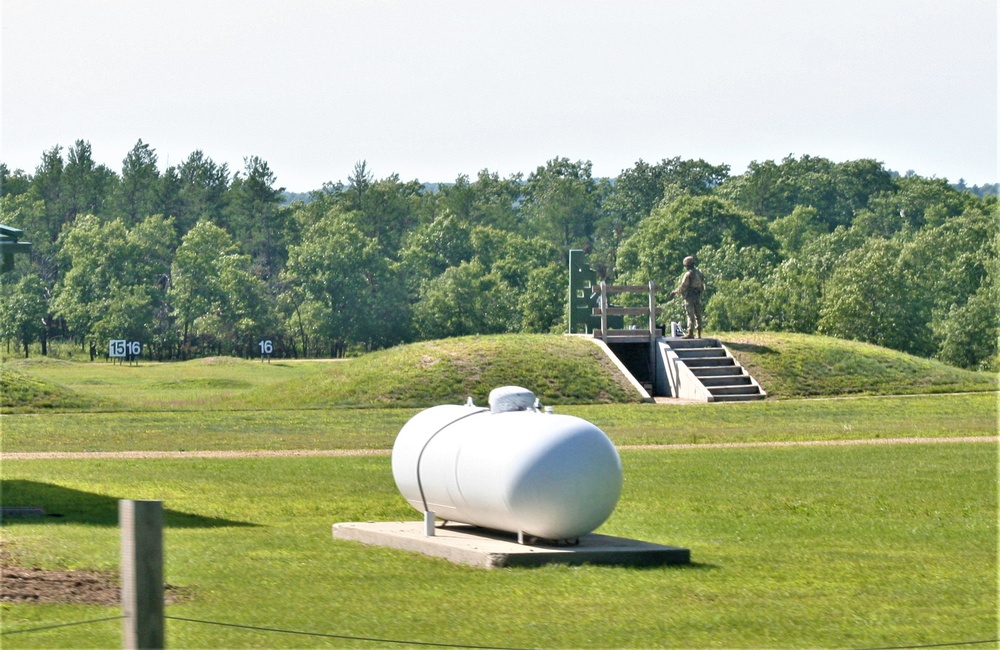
605,310
631,335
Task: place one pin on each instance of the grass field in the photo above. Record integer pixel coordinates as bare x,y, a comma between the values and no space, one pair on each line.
804,547
626,424
866,546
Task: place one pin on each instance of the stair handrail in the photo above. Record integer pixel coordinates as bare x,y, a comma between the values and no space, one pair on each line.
650,311
604,309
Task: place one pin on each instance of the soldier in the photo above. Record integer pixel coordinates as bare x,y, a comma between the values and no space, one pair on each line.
691,287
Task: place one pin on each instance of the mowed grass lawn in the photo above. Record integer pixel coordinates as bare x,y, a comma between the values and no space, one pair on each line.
835,547
859,546
626,424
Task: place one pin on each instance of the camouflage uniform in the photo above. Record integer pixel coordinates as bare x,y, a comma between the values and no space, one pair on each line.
691,287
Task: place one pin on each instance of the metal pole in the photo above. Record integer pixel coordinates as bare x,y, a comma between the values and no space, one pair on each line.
604,311
142,573
652,309
652,336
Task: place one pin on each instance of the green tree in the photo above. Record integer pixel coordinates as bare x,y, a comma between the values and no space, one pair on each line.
115,277
220,305
917,202
970,332
433,247
836,190
510,255
521,280
196,286
383,210
138,191
293,337
949,264
681,228
13,183
152,243
243,314
858,181
169,192
870,298
351,291
389,210
465,300
542,302
128,314
203,191
47,186
89,250
86,186
792,294
25,306
26,212
637,191
791,298
822,255
561,203
796,229
255,216
487,201
734,297
358,184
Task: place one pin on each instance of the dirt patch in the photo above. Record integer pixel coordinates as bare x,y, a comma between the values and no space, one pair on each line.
33,585
427,361
20,585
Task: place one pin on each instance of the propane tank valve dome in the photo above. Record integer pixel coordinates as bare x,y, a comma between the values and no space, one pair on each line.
511,398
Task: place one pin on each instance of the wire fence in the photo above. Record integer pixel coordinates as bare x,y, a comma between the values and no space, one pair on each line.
256,628
953,644
347,637
58,625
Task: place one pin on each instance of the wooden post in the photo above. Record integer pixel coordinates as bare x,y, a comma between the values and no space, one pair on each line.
142,573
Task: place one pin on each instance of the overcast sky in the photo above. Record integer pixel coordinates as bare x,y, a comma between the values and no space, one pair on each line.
437,88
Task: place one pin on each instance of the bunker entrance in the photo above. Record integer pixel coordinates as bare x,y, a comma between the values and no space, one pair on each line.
635,357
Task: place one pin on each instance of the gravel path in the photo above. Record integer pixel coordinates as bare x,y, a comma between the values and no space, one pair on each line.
137,455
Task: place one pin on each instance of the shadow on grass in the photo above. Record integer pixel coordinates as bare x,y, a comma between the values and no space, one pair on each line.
75,506
627,553
636,566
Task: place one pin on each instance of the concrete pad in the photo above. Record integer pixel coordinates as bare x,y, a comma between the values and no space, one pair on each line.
464,544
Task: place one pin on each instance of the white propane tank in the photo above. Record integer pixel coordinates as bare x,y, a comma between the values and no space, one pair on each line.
510,467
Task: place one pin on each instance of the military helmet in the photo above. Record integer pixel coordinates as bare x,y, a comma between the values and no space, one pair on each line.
689,261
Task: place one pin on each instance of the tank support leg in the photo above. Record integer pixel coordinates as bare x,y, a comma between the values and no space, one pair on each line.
428,523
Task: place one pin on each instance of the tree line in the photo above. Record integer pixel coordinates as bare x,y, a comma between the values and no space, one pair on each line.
197,259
